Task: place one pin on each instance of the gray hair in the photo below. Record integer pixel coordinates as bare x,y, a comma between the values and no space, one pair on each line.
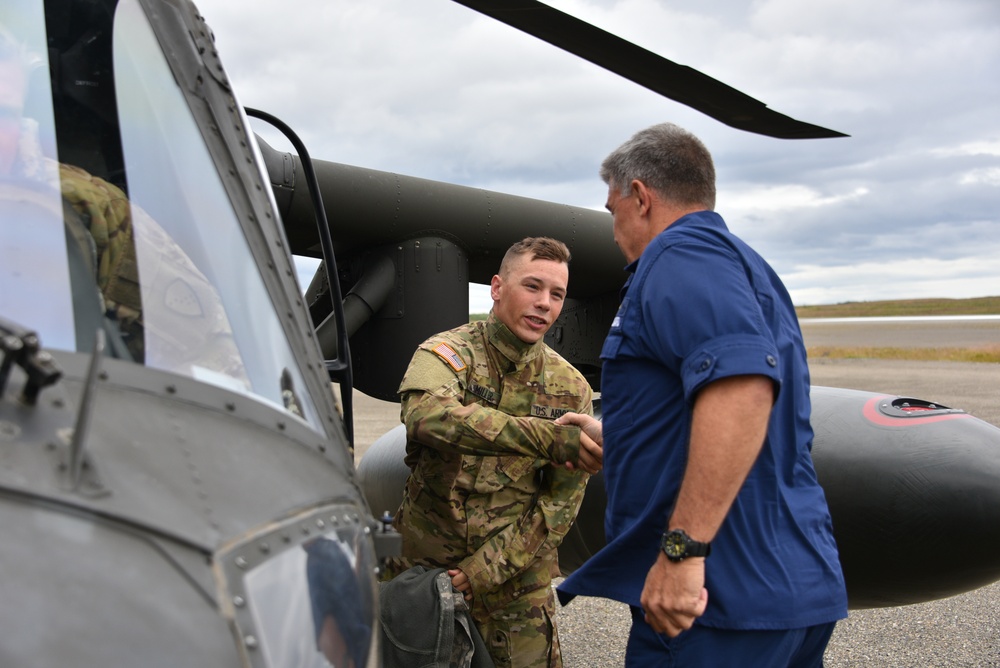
669,160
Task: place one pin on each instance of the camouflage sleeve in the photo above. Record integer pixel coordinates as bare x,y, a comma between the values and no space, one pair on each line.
560,502
437,418
540,532
562,493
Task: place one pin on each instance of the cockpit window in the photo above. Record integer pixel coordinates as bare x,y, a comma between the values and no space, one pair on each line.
33,267
302,592
114,216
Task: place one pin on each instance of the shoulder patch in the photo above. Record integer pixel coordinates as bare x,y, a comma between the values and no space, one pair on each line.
448,354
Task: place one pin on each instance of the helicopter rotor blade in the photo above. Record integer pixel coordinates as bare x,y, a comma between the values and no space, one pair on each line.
672,80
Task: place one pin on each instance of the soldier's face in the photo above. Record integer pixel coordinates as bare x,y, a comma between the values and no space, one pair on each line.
530,297
12,87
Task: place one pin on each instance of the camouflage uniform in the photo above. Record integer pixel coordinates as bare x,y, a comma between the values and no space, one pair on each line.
104,210
483,493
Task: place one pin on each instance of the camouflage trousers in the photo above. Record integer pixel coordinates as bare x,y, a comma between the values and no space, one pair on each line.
523,633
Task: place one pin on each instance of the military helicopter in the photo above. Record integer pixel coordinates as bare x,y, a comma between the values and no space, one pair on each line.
423,241
177,477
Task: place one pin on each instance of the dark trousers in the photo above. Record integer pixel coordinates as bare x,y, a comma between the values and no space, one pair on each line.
723,648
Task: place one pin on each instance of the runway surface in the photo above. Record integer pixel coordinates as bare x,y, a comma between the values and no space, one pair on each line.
962,630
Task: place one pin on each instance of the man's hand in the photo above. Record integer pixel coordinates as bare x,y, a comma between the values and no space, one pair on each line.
591,455
591,442
460,581
674,594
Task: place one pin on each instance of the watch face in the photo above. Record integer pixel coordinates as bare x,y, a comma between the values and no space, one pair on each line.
674,545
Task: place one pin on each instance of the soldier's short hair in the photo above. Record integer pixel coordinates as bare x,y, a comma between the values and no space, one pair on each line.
539,248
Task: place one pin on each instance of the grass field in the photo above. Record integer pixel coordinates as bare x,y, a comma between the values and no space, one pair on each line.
903,307
988,354
907,307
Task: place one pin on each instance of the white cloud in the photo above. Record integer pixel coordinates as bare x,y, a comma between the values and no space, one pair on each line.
984,147
436,90
783,197
989,176
913,278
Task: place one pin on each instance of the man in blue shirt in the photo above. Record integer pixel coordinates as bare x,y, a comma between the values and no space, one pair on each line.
718,533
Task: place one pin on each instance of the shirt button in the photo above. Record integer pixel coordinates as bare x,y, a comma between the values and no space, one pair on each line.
771,361
704,365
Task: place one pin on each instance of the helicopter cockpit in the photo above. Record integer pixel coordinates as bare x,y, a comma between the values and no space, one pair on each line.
177,483
112,154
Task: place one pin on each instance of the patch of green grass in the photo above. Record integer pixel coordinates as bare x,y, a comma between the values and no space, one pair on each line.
903,307
989,354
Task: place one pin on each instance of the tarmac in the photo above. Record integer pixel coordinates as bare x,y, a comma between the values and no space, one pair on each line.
963,630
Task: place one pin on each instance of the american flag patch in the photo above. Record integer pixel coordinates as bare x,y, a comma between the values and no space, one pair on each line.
448,354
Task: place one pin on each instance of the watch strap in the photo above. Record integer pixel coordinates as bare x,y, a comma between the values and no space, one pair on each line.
677,545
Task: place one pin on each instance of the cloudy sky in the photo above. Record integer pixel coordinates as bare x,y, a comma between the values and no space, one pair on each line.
908,206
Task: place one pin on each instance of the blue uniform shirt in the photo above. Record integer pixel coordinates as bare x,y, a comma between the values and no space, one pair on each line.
701,305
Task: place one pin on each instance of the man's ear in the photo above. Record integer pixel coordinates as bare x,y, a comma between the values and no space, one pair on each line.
643,196
495,284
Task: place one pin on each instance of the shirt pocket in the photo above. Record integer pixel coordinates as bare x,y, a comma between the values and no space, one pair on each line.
496,473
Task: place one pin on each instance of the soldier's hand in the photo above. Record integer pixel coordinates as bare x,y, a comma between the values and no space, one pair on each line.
460,581
591,442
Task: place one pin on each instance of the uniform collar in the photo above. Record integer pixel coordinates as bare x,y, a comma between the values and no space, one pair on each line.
507,343
704,218
698,218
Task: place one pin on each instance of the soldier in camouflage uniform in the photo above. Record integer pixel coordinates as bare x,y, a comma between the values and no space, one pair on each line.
489,496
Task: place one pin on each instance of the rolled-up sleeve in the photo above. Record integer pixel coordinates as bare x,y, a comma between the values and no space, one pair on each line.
435,416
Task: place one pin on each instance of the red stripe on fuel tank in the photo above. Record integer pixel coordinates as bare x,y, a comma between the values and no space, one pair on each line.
872,413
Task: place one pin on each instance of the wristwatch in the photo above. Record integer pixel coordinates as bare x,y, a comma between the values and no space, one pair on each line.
678,546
